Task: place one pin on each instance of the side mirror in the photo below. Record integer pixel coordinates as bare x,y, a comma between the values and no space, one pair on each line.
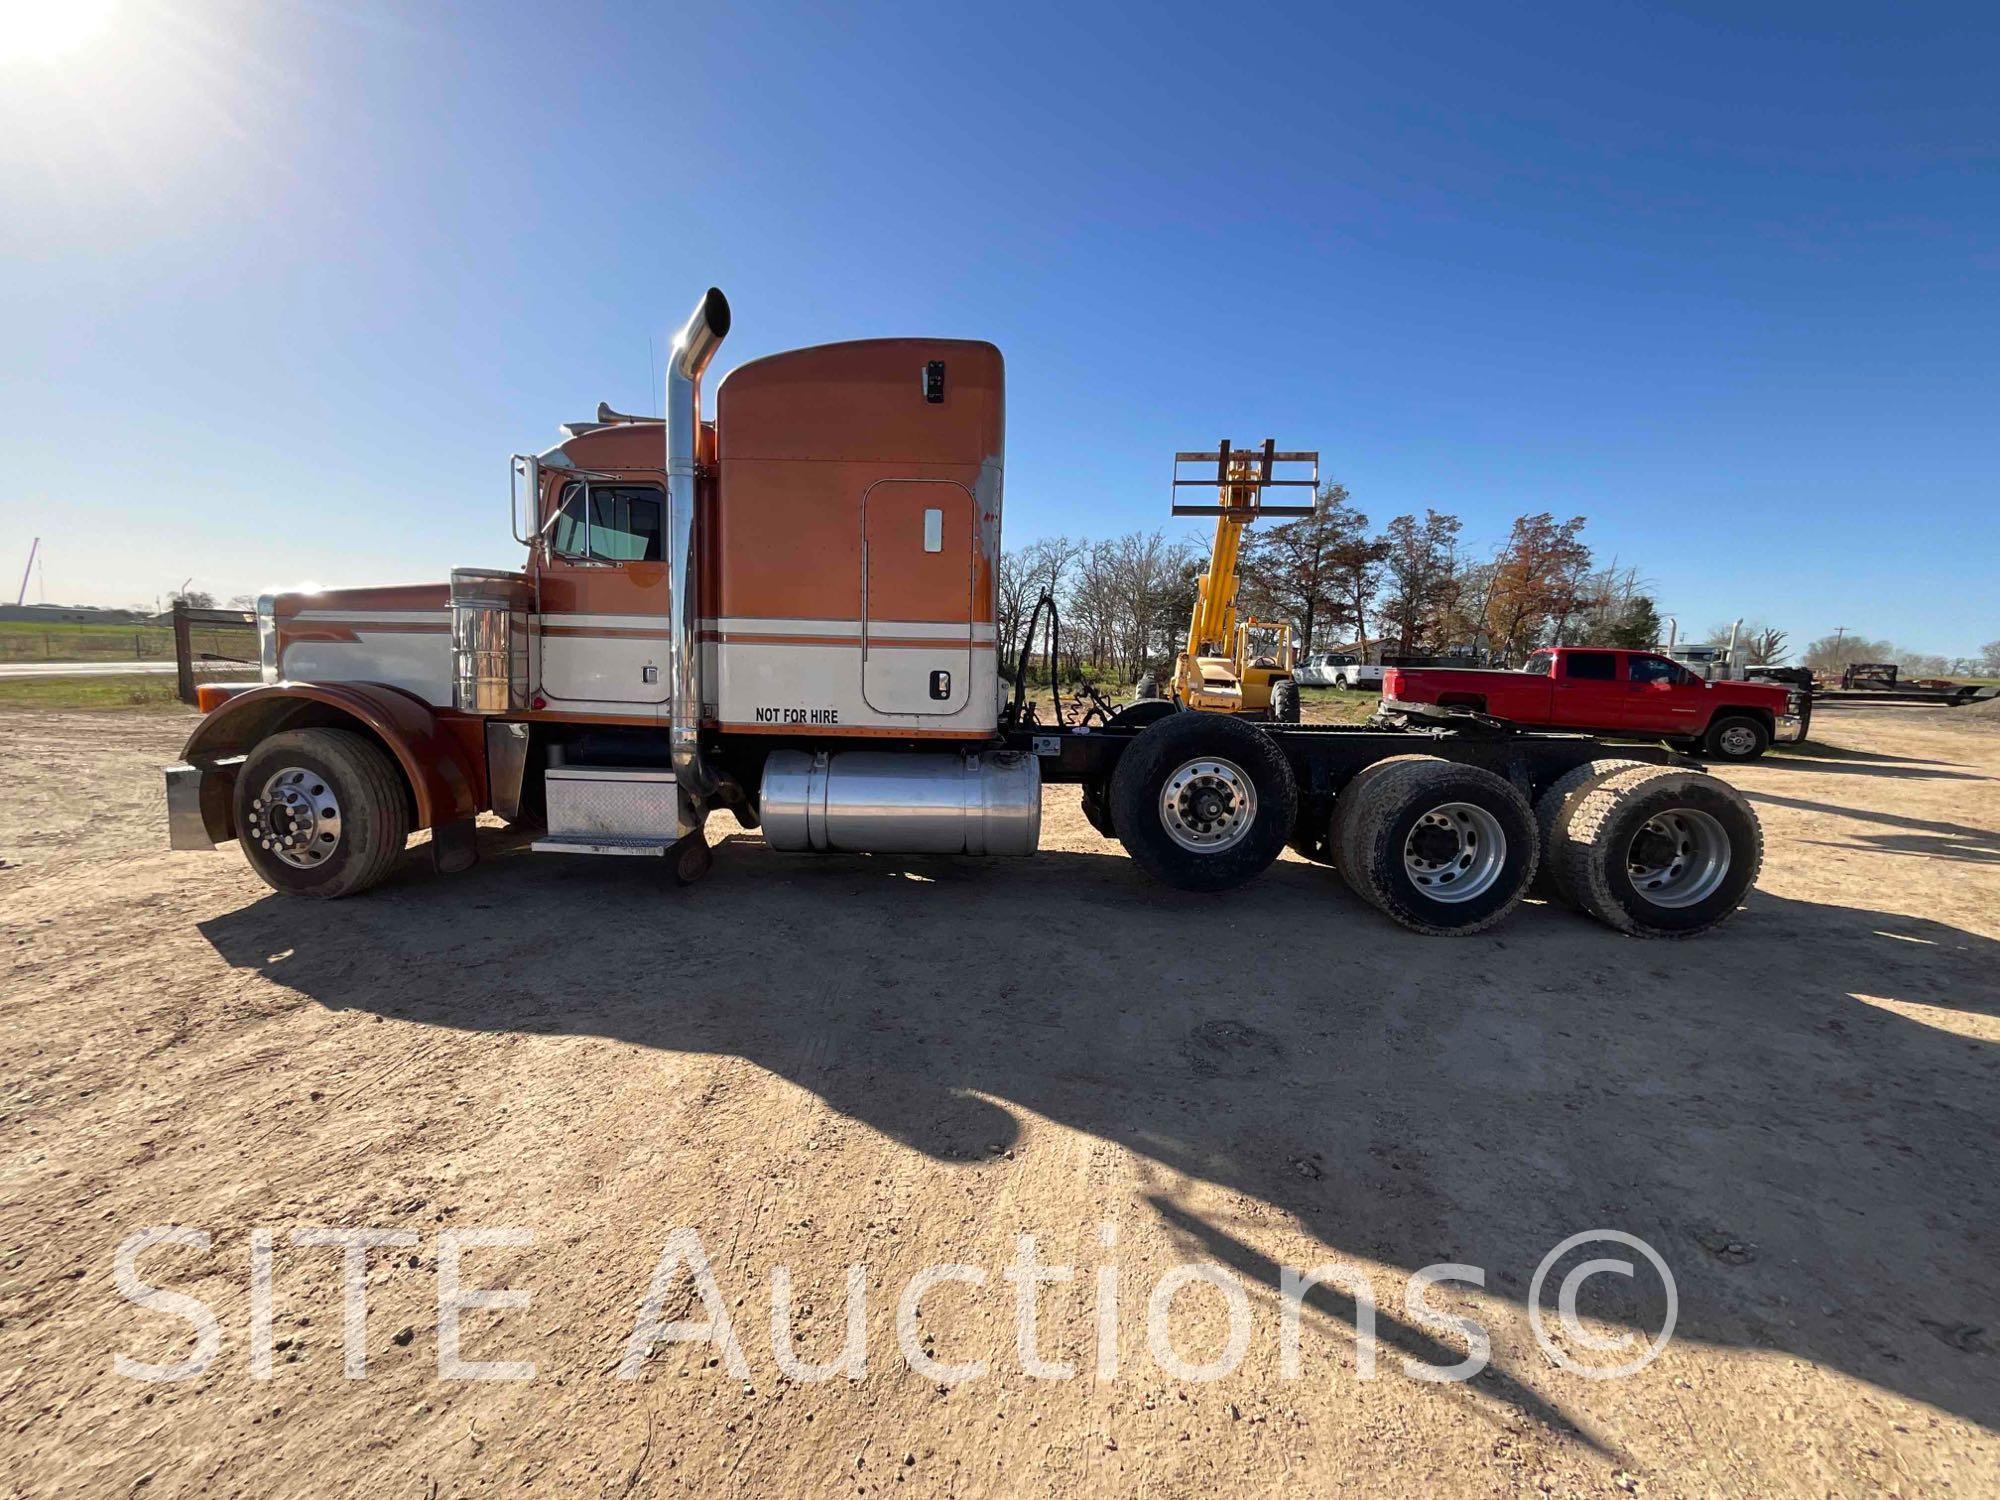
524,472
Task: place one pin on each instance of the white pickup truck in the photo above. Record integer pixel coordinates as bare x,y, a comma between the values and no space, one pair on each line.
1337,669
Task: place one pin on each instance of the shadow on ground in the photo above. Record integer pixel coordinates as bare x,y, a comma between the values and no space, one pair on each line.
1474,1100
1925,836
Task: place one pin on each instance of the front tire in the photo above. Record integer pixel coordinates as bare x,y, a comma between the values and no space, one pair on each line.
1441,848
1203,802
321,813
1737,737
1285,702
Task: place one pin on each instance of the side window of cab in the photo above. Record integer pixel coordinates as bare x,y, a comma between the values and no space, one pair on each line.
1541,664
1657,669
625,524
1590,666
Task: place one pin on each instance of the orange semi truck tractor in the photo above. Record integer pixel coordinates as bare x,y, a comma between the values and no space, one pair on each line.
785,614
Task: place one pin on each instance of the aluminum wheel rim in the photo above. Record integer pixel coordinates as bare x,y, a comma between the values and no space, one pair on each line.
1208,805
1678,858
297,818
1738,739
1455,852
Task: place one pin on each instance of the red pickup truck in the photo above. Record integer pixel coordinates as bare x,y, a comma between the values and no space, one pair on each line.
1622,694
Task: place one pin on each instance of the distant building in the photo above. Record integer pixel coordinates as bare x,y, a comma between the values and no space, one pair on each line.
73,614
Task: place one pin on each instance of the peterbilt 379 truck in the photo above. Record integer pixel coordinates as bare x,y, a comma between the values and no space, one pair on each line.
786,614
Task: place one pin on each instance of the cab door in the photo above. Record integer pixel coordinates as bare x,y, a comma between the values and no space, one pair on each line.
919,540
1662,698
603,598
1587,692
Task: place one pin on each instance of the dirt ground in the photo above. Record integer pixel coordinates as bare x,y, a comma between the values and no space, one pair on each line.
900,1063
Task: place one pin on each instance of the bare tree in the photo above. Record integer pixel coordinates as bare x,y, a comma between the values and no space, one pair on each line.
1763,645
1612,610
1637,627
1041,567
1832,654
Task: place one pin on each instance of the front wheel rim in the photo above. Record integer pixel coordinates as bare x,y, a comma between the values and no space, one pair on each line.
1455,852
1208,805
1738,739
1679,858
297,818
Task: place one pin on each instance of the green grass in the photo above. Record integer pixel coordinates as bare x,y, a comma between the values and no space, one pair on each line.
1320,705
146,692
30,640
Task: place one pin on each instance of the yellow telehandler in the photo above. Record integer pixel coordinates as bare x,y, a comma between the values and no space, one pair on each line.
1233,665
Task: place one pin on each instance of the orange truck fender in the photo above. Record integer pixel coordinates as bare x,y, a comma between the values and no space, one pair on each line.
446,777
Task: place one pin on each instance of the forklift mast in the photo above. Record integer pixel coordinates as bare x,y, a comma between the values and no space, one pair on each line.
1217,669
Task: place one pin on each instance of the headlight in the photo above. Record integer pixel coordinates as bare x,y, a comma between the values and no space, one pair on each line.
267,636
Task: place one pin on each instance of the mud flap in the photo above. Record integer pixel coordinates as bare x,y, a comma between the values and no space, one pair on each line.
454,846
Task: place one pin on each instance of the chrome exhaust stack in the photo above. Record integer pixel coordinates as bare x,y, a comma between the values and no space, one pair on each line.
694,346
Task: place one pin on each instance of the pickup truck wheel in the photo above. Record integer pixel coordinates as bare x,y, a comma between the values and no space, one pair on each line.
1339,684
1550,807
1737,737
1658,852
1285,703
1439,847
1203,802
321,812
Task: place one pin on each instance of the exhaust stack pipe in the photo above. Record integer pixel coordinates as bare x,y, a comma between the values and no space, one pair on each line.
694,346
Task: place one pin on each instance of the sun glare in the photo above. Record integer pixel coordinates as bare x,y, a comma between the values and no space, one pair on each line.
49,30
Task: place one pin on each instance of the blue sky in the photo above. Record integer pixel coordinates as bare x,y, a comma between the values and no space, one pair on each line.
283,284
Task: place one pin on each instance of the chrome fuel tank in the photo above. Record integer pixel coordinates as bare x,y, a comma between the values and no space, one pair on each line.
887,802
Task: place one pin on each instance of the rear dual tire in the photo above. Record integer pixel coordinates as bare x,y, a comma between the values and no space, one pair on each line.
1657,851
1552,807
1441,848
